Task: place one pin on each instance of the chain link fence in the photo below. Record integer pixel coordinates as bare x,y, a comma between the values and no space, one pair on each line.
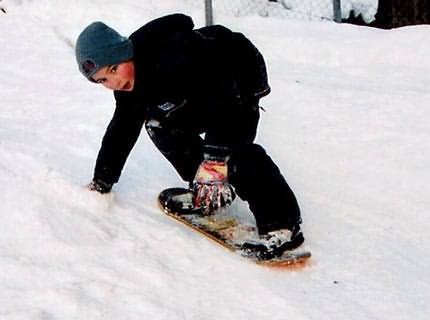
293,9
377,13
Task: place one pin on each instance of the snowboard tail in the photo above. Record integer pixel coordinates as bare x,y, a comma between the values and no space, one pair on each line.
223,229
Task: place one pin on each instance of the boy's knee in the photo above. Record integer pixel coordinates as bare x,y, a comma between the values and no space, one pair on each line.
152,127
160,136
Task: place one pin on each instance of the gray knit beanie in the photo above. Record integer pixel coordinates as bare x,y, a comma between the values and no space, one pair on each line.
98,46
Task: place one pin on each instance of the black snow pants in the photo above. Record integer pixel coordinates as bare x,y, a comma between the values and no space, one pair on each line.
253,174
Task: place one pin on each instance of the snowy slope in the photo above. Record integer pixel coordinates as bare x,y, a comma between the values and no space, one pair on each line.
347,122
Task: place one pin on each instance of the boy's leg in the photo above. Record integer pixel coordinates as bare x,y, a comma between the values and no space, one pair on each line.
258,181
184,150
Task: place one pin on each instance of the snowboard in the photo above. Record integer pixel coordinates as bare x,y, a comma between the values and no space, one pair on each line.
223,229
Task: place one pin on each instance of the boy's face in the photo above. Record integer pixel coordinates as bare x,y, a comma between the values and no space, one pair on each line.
116,76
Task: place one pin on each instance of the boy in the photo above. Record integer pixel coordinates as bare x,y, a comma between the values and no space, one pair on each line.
182,82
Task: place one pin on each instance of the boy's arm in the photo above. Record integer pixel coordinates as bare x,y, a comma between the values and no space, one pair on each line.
120,137
231,124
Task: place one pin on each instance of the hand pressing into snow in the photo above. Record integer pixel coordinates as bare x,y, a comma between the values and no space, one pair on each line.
99,186
2,8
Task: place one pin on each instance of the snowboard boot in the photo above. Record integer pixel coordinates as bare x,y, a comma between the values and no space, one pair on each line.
274,243
181,201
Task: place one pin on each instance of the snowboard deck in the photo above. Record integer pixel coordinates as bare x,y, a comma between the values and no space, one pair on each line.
229,232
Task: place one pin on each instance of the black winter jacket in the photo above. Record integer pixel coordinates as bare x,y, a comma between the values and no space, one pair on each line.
198,80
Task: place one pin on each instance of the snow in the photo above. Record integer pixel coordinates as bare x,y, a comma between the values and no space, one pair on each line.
347,122
367,9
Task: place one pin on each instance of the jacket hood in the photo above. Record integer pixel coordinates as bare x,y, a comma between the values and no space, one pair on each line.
163,27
